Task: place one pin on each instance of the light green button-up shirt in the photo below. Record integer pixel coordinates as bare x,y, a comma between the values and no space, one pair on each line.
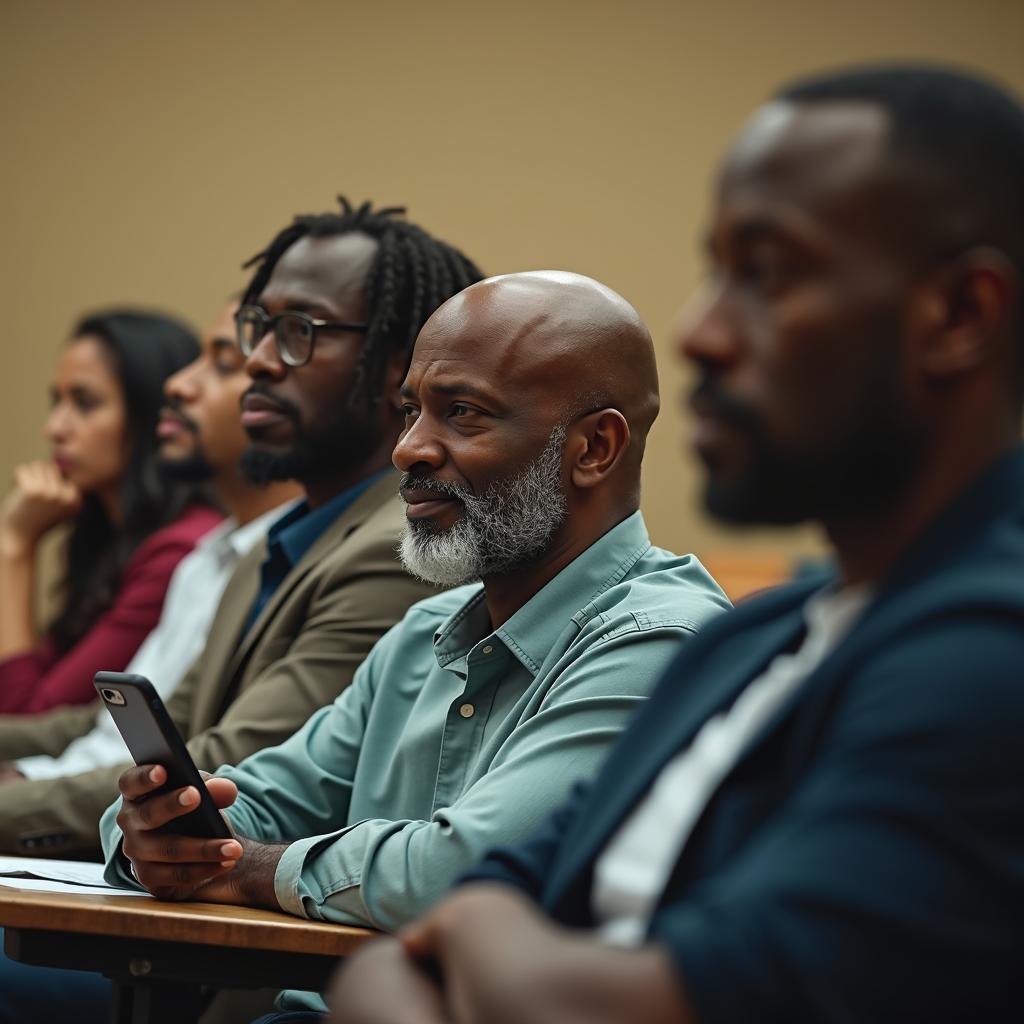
455,737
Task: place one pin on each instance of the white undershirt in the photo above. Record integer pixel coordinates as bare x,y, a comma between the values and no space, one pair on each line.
633,869
192,598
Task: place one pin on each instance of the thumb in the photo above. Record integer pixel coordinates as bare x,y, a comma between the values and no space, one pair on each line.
223,791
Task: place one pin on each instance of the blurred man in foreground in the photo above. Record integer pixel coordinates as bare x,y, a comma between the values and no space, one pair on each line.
327,324
527,407
826,823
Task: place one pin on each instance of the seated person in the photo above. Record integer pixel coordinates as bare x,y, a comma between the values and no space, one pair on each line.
129,528
295,622
527,407
338,300
201,440
819,814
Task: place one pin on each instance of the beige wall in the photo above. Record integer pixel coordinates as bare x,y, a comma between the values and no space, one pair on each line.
148,148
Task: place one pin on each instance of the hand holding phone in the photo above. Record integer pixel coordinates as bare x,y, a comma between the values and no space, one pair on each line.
152,738
170,865
173,831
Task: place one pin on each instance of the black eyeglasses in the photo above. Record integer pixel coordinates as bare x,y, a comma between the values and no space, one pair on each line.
293,332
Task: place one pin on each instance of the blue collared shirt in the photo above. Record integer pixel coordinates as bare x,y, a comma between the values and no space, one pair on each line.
295,533
455,737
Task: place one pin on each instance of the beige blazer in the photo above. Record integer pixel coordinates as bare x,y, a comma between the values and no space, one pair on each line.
247,690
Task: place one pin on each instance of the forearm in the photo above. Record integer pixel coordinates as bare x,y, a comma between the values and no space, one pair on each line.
17,579
502,961
595,984
48,733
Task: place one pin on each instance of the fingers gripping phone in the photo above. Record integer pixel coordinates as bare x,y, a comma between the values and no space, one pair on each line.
151,736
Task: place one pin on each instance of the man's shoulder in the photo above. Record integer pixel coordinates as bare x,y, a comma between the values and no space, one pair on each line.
662,589
369,538
180,536
422,621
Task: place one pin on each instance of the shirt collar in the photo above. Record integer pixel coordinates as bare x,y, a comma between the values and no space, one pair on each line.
299,528
245,538
532,631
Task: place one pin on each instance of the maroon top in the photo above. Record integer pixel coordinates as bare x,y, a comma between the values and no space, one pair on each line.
38,680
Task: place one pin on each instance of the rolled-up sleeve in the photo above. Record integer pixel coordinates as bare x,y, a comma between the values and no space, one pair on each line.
384,873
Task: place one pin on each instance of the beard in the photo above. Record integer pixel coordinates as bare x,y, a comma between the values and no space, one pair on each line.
500,530
194,467
859,466
347,438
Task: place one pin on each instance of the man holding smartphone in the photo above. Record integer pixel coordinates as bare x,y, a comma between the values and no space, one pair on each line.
327,326
527,406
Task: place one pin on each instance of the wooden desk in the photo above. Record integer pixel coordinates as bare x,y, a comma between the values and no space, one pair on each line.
161,956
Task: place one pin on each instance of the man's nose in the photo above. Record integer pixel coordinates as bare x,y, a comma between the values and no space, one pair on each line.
705,332
418,446
265,360
183,385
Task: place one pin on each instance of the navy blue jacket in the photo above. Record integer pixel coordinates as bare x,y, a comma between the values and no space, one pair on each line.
865,859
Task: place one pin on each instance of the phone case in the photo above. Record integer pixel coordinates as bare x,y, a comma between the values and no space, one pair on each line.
151,736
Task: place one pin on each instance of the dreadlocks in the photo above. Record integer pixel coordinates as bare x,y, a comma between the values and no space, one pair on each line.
411,275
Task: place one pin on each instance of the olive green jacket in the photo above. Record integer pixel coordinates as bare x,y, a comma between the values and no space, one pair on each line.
247,690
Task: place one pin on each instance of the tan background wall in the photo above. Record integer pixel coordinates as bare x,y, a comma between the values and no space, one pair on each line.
148,148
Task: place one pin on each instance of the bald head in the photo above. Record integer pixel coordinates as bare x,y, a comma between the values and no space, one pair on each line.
527,406
559,337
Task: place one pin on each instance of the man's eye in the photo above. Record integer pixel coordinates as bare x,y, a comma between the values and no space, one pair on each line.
769,272
460,410
408,410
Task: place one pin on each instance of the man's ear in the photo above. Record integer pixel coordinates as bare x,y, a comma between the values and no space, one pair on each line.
965,312
394,375
596,443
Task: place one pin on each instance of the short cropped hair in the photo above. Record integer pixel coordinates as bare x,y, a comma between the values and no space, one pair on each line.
963,131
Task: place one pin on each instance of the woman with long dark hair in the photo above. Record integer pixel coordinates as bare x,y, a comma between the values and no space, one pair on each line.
131,526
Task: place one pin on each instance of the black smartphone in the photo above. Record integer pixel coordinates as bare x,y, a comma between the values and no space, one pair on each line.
151,736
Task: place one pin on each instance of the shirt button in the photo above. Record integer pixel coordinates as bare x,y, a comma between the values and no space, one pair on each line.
466,711
488,649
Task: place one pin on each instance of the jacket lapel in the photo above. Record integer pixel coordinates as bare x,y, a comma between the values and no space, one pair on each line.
224,636
354,516
714,668
707,676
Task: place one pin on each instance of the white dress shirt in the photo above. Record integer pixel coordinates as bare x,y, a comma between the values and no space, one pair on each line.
633,869
169,650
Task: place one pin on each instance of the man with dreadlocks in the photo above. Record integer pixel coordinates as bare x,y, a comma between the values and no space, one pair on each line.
527,405
327,324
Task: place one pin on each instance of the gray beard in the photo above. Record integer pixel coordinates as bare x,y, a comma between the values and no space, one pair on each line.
506,527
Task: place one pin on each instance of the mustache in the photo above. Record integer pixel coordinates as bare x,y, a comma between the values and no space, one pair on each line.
287,406
187,422
710,398
448,488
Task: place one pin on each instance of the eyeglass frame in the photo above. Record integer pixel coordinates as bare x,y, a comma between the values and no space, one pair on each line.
270,326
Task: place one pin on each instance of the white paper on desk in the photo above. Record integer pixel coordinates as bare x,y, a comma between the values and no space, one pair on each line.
48,885
79,876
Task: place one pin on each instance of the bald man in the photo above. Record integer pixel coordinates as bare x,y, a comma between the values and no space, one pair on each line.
527,405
